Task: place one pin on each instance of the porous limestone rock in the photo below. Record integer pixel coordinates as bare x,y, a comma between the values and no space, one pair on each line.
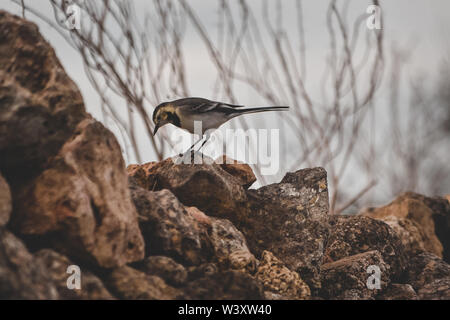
349,277
290,219
279,280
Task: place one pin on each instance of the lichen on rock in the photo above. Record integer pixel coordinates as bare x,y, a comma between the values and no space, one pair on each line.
290,219
279,280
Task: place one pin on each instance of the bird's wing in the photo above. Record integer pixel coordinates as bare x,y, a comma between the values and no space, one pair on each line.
203,105
218,106
234,106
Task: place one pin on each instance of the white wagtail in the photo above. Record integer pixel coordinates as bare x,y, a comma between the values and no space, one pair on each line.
212,114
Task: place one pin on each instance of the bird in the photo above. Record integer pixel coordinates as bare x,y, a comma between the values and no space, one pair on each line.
183,113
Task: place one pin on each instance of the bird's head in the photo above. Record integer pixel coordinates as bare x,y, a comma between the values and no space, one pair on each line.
164,114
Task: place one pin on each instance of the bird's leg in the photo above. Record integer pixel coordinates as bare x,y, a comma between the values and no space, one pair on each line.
184,153
204,142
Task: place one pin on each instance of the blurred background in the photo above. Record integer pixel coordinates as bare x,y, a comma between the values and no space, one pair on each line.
372,106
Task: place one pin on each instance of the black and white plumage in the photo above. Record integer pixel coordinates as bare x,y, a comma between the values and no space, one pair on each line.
183,113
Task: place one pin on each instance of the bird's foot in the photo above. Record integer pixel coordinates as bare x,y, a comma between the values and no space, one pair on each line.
186,158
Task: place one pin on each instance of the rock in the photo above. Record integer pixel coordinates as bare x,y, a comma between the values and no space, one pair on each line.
199,216
66,170
226,285
279,280
21,276
204,270
348,277
91,286
425,268
40,104
413,207
409,232
269,295
441,217
290,219
131,284
166,268
229,246
436,290
239,170
205,186
187,234
352,235
141,175
397,291
166,226
5,202
81,204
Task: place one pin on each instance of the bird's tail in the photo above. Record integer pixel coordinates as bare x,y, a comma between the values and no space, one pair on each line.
260,109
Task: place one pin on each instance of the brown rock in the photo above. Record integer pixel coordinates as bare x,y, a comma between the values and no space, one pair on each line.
229,247
239,170
226,285
166,226
198,216
204,270
142,175
409,232
131,284
397,291
352,235
91,287
81,204
437,290
5,202
187,234
21,276
441,217
279,280
348,278
290,219
425,268
166,268
40,105
205,186
269,295
413,207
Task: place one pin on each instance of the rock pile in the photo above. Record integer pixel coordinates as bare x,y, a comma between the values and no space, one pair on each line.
164,230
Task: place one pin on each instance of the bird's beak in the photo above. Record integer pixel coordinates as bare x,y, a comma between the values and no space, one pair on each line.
156,128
